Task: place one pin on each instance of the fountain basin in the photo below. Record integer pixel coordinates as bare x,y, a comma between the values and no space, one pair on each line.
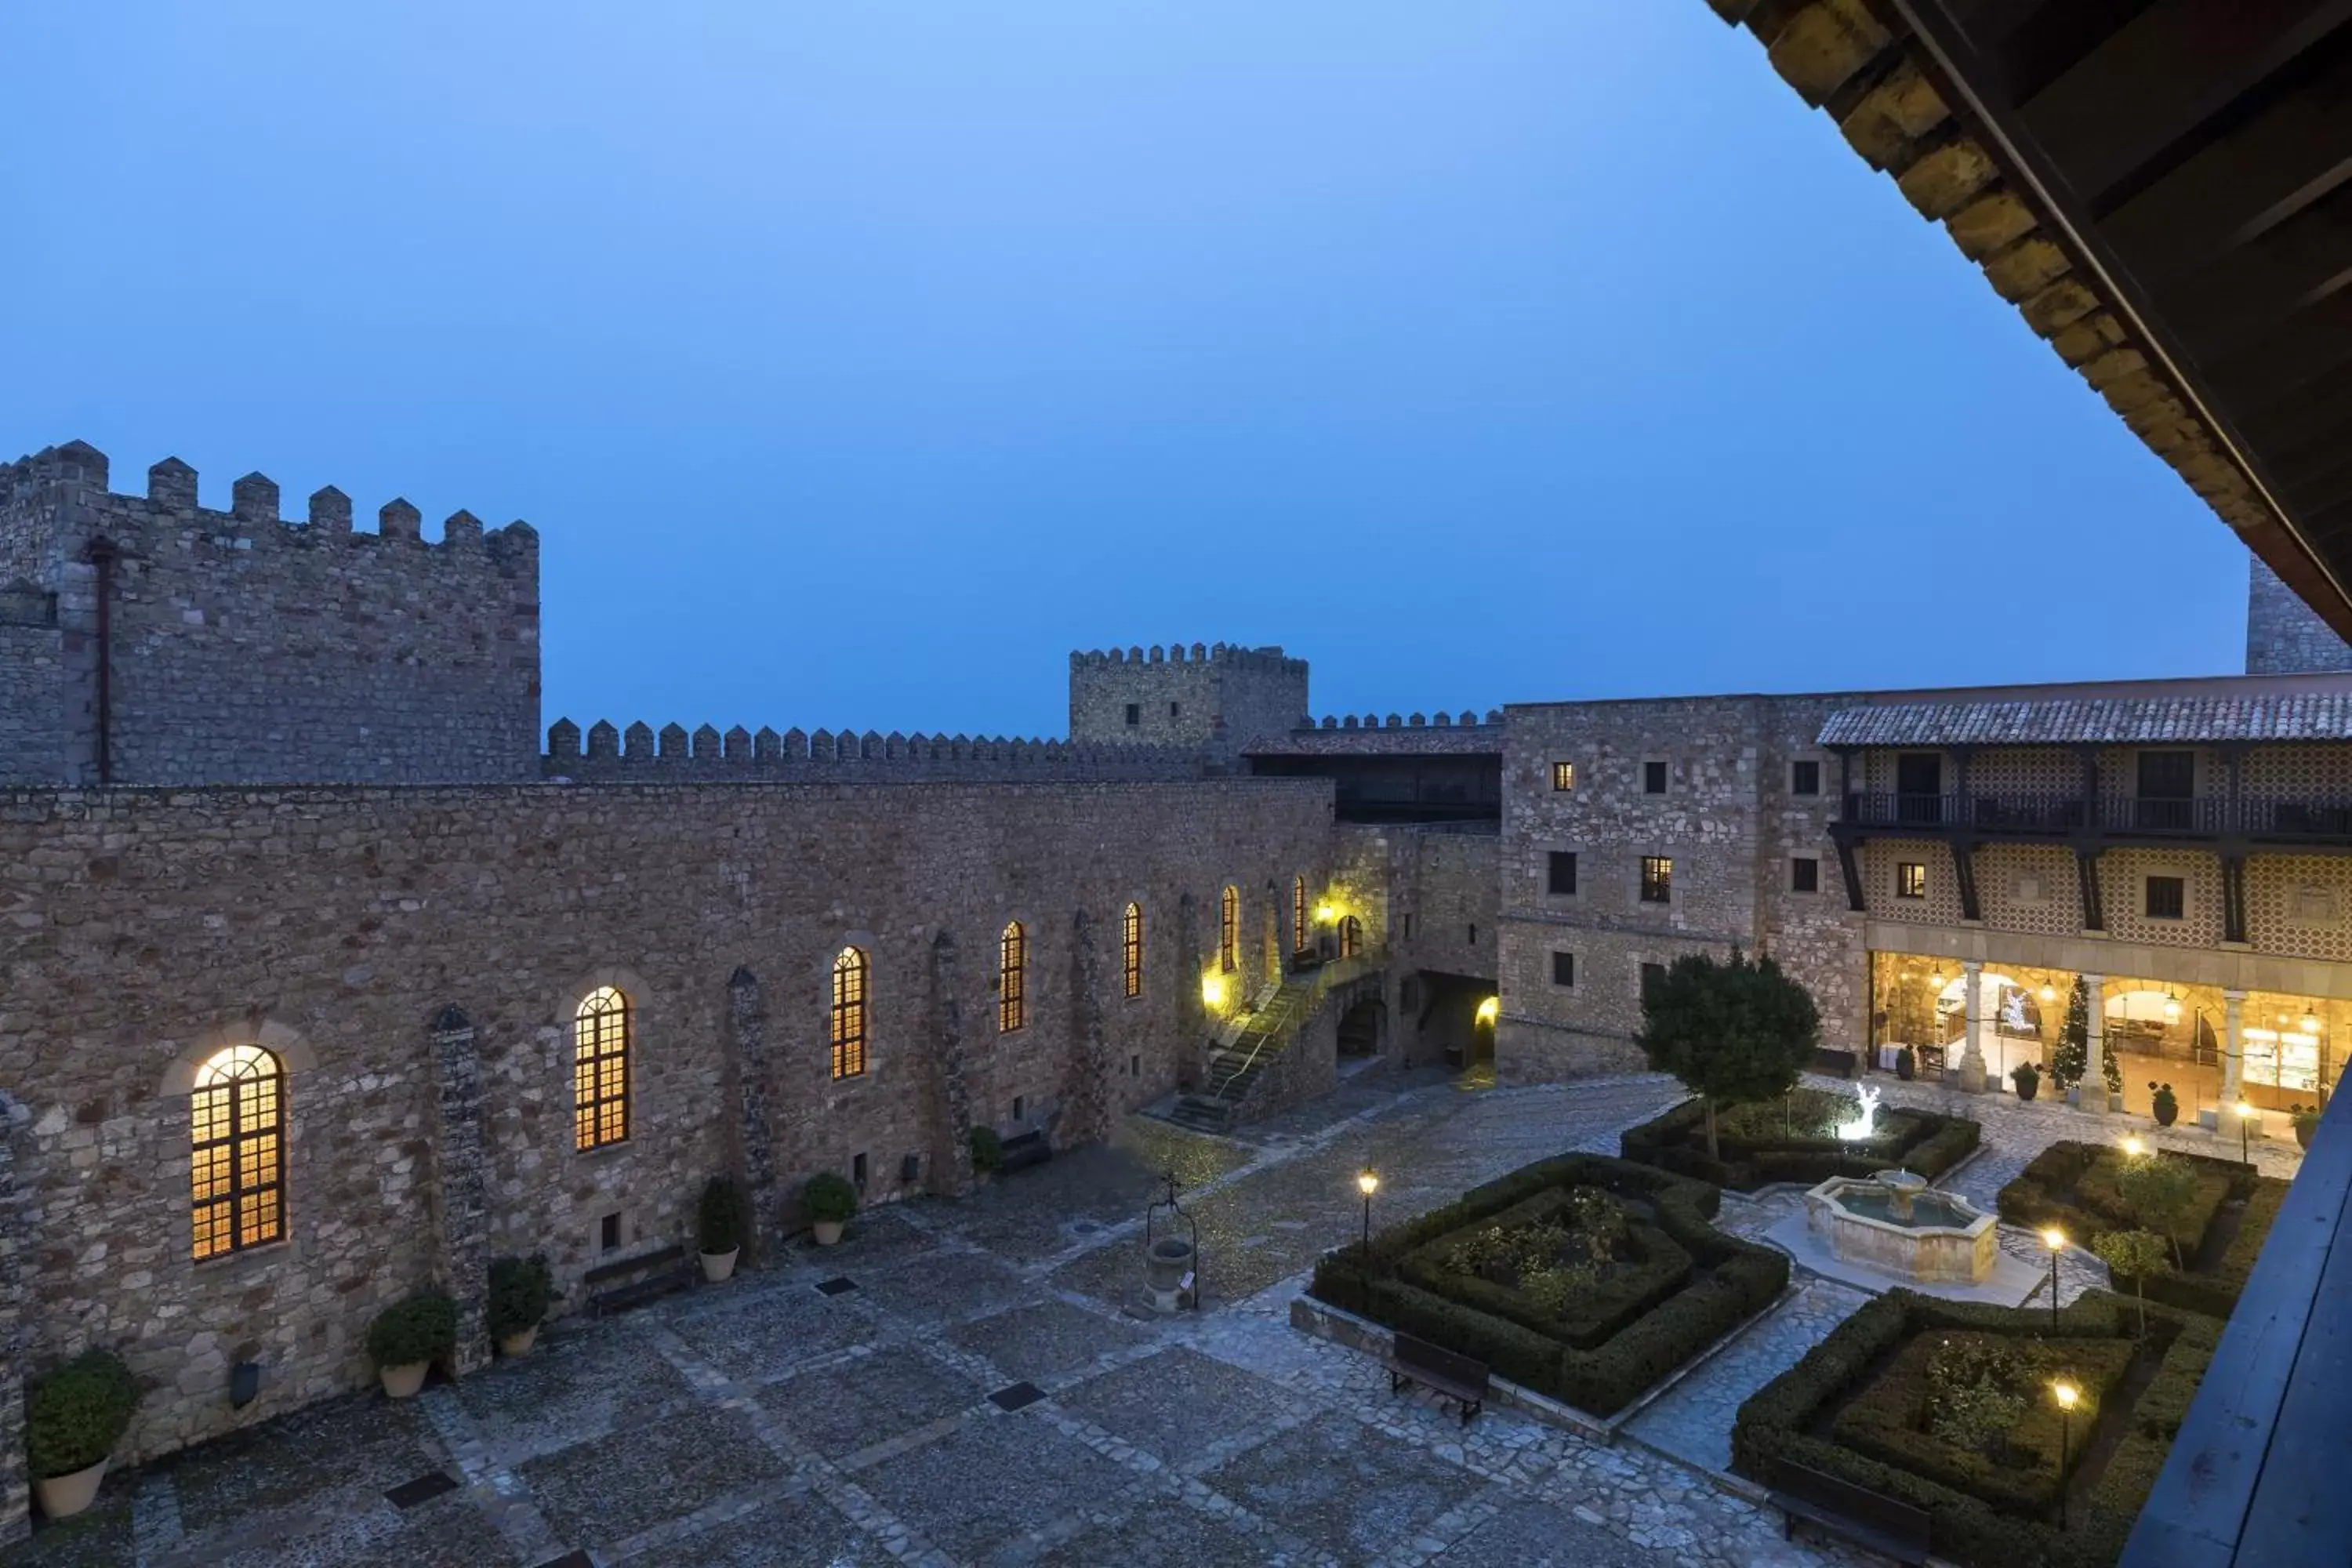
1893,1224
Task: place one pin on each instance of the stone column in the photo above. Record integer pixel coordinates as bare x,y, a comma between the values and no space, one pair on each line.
2233,1050
747,1014
950,1166
1088,1097
2094,1095
1972,1066
15,1249
464,1189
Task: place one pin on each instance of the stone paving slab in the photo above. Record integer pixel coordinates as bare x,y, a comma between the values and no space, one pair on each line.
995,1484
1037,1342
945,1286
570,1385
362,1445
1350,1490
1538,1535
853,1405
799,1531
759,1333
615,1486
1179,1403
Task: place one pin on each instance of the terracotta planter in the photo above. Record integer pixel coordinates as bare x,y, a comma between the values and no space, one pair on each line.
402,1382
518,1344
2027,1088
62,1497
2167,1112
719,1266
828,1231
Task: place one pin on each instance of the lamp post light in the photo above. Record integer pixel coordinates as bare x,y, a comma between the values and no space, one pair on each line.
1368,1183
2134,1148
2066,1394
2246,1117
2055,1240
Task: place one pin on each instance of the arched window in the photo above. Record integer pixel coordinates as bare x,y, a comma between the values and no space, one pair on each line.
1012,972
1229,930
847,1027
1300,939
1351,937
237,1126
1130,946
600,1069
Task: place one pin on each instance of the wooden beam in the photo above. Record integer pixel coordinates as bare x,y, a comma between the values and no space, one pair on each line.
2277,365
2175,65
2241,294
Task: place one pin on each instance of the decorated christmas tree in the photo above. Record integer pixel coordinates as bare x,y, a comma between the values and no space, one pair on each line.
2070,1054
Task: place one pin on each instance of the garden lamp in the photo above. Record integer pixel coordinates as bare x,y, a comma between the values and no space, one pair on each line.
1368,1183
2134,1148
2067,1394
2055,1240
2245,1118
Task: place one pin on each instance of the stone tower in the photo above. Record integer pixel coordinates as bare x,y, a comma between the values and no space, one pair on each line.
1210,698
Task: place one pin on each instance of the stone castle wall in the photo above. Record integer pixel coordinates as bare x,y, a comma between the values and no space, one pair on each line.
243,648
1210,696
2284,634
639,754
411,953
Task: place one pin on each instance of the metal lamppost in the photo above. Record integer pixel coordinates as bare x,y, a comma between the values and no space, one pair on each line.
1368,1183
2067,1393
2245,1118
2055,1240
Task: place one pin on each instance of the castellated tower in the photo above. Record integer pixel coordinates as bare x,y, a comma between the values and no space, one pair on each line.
2284,634
149,640
1210,698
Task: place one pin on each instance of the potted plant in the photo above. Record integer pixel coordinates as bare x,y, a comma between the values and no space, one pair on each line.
2306,1122
1906,1065
72,1423
721,1223
828,1200
2161,1101
987,1153
409,1336
2028,1080
521,1289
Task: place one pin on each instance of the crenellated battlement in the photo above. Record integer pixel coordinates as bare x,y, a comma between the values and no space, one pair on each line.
640,754
1234,655
1468,720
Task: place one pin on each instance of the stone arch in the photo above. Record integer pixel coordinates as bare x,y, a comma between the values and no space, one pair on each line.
282,1040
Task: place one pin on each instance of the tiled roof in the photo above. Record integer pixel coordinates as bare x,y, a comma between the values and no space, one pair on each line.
2284,715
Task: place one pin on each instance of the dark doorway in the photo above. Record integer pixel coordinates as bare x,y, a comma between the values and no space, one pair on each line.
1919,787
1362,1027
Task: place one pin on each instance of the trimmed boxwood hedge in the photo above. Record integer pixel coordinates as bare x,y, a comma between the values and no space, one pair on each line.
1741,1278
1779,1422
2034,1199
1924,1142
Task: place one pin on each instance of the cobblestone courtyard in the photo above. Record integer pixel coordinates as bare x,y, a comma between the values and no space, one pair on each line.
768,1421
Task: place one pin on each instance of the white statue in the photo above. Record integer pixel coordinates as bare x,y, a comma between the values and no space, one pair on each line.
1858,1129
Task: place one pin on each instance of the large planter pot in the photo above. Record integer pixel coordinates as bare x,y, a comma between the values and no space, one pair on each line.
2167,1112
518,1344
62,1497
2026,1088
719,1266
2303,1131
828,1231
402,1382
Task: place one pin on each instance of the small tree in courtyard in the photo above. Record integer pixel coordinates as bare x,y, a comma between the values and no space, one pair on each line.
2071,1052
2136,1254
2159,1189
1733,1032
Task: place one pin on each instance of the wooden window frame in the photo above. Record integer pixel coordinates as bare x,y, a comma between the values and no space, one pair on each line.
601,1035
1302,936
847,1017
1229,930
237,1151
1351,936
1810,866
1910,878
1130,942
1658,883
1012,978
1563,777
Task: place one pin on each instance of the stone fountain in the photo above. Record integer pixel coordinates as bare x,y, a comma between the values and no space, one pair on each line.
1892,1224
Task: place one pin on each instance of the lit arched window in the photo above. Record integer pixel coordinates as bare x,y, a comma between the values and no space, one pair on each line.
1011,969
600,1069
1300,940
848,1026
1229,930
1130,942
236,1125
1351,937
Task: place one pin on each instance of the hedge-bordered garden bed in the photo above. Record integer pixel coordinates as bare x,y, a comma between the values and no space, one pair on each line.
1847,1410
1756,1152
2073,1185
1598,1356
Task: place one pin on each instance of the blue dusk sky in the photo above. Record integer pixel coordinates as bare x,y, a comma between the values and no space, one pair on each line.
857,362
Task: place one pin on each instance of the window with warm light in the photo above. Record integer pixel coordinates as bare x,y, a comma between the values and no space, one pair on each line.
1130,949
1229,930
846,1022
236,1123
1012,978
1563,776
1351,937
1657,879
600,1069
1302,936
1911,880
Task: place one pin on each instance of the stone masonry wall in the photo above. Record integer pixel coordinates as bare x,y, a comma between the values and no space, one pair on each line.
1221,695
2284,634
640,755
250,650
414,956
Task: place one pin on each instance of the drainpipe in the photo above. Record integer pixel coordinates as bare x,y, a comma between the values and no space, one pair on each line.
102,555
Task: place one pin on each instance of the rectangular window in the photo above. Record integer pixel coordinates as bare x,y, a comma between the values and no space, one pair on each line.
1657,879
857,1171
1563,969
1563,776
1805,778
1805,874
1408,928
1653,778
1474,936
1561,865
1910,879
1173,709
1652,973
608,1233
1134,714
2167,898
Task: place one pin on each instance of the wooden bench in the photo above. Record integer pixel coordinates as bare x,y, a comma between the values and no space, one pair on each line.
1458,1377
1886,1525
627,1282
1028,1149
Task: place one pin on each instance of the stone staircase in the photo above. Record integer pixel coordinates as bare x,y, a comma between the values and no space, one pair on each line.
1235,1066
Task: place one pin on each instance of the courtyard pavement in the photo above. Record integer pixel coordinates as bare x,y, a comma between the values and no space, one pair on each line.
864,1405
